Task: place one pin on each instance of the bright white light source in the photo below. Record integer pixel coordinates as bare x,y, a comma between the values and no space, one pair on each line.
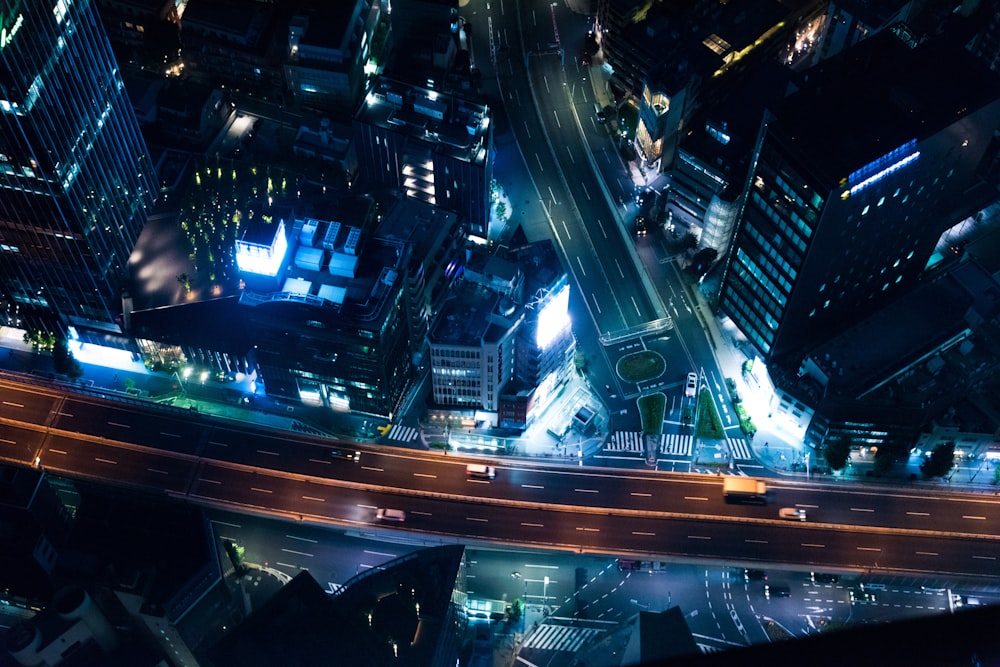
554,318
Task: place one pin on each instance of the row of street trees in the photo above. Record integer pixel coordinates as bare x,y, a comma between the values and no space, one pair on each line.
940,462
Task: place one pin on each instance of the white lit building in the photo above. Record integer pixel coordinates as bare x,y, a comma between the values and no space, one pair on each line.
504,345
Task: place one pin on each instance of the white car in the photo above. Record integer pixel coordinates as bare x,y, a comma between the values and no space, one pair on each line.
390,515
480,471
792,514
691,386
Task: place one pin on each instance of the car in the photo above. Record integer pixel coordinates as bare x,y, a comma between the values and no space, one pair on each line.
385,514
640,225
967,601
754,575
480,471
629,565
691,386
346,454
776,591
792,514
602,117
824,578
861,595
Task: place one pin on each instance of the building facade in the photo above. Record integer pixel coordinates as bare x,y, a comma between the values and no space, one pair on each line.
432,146
329,46
853,180
76,183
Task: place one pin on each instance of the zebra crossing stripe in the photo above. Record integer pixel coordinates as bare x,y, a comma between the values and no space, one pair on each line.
625,441
739,449
403,433
560,638
676,444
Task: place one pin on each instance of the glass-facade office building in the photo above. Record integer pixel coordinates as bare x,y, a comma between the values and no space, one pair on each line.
76,183
854,179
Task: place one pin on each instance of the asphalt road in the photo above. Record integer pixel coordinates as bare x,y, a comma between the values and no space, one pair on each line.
582,509
624,283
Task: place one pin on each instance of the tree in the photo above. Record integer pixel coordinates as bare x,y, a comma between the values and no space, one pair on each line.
883,461
236,555
941,460
689,241
703,259
837,452
63,361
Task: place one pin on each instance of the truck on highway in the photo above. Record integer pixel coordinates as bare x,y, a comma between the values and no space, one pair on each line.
744,489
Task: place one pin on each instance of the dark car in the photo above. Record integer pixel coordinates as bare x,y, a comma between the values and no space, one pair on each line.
640,225
346,454
824,578
602,117
755,575
776,591
629,565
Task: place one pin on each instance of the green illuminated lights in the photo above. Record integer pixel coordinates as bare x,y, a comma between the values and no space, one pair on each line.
7,34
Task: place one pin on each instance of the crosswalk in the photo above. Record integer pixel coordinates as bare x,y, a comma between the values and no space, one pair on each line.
676,444
739,448
672,444
402,433
626,441
551,637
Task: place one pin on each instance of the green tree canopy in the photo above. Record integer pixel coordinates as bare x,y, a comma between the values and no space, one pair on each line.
941,460
63,361
837,452
884,459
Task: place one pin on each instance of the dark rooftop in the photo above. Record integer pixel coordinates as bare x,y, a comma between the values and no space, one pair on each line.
876,96
466,318
907,330
303,625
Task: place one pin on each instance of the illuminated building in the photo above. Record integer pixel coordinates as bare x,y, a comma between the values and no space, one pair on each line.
670,57
330,52
853,180
76,183
472,343
325,307
431,146
503,346
708,174
546,344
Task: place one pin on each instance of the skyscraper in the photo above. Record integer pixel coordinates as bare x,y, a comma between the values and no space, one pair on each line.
854,179
76,183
